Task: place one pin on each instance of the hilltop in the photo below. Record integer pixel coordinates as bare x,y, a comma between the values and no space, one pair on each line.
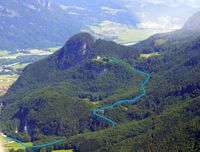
69,83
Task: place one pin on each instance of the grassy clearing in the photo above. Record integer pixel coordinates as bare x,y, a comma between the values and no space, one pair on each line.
16,146
12,145
96,102
160,42
149,55
86,99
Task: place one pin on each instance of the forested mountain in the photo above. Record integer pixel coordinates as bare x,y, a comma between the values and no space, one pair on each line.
80,77
40,24
75,80
46,23
34,24
172,106
94,12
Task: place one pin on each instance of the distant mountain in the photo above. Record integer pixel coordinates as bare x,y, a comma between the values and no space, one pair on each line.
46,23
94,12
34,24
193,23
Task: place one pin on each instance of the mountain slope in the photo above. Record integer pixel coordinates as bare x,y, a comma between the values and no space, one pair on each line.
78,76
34,24
193,23
44,23
179,124
172,101
94,12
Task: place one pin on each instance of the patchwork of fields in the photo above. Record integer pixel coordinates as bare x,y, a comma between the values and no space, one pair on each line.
12,64
11,145
120,33
8,145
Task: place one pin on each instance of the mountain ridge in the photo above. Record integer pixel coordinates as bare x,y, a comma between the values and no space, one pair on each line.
40,24
193,23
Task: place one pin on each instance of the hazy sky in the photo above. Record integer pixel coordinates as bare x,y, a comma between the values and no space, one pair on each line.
192,3
163,14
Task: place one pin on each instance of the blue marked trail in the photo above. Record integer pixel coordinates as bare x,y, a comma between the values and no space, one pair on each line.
142,85
134,100
37,146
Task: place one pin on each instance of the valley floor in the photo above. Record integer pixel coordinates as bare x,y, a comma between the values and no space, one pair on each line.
12,64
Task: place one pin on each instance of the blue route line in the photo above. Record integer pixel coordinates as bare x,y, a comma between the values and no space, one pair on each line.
134,100
95,111
37,146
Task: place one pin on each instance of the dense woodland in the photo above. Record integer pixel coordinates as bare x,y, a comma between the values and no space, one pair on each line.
56,96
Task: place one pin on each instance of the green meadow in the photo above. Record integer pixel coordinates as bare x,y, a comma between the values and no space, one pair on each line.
149,55
121,33
12,145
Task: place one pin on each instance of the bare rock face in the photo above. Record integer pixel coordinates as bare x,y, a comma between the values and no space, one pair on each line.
193,23
76,50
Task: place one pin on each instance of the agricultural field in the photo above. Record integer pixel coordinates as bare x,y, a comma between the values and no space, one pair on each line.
11,145
3,53
19,66
8,145
6,81
12,64
54,49
120,33
15,146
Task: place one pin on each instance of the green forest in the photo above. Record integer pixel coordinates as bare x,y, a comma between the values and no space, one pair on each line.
55,96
